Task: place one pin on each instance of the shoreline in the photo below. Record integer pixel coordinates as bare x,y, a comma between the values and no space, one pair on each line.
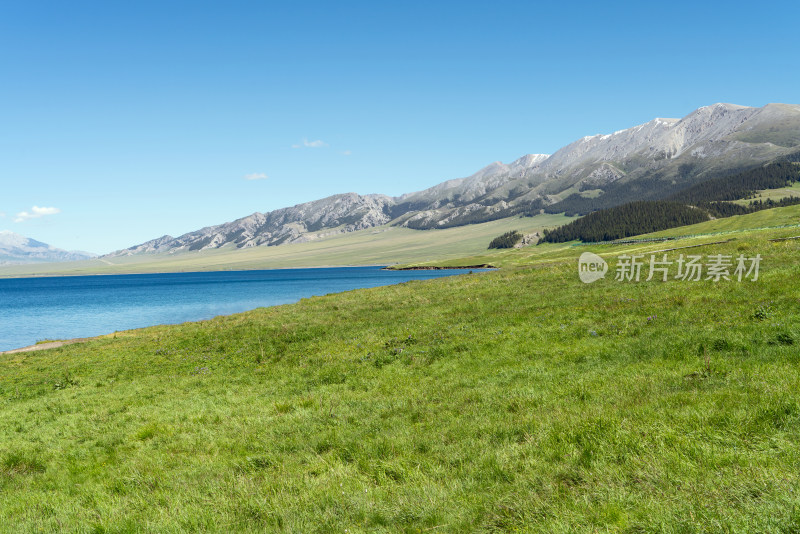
48,345
72,275
60,343
437,268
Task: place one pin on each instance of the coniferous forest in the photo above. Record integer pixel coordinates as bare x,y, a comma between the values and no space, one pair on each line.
717,188
507,240
623,221
709,199
742,185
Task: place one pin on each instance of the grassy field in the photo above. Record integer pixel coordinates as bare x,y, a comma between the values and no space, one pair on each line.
520,400
774,194
384,245
719,229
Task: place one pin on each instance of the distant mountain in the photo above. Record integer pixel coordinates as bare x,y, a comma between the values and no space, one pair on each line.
15,249
339,213
646,162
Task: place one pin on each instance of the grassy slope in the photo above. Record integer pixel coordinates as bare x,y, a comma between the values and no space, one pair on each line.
383,245
715,230
774,194
517,400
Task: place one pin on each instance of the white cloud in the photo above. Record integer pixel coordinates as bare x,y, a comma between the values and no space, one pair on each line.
311,144
256,176
35,213
347,153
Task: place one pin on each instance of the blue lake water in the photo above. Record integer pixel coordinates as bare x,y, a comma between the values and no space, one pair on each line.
33,309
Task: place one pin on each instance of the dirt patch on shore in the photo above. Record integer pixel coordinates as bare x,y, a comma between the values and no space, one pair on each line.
48,345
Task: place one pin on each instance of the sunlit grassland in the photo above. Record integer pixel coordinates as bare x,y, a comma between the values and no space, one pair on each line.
383,245
743,223
519,400
773,194
716,230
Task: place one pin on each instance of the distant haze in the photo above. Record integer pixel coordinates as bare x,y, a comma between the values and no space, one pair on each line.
17,249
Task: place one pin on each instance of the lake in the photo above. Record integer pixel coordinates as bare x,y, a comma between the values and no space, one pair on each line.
34,309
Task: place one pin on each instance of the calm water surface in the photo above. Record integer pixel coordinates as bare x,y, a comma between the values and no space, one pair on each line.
33,309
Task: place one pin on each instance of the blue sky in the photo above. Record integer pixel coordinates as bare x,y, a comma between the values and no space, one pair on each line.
124,121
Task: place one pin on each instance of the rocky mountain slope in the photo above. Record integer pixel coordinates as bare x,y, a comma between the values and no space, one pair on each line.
16,249
647,161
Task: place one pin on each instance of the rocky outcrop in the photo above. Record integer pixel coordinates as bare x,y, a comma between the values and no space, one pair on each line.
528,240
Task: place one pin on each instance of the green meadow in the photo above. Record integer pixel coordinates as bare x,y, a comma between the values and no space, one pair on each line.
773,194
737,227
518,400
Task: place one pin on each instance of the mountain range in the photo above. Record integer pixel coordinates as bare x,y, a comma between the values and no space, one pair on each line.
16,249
648,161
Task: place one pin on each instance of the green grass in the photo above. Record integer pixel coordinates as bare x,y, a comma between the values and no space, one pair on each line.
719,229
519,400
591,193
774,194
375,246
761,219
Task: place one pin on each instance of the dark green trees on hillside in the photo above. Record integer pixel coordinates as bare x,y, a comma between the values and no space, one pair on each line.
626,220
507,240
742,185
689,206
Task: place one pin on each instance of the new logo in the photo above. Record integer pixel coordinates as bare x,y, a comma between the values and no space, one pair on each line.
591,267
